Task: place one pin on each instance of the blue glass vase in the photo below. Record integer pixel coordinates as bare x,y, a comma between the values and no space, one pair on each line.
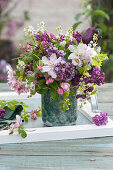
52,115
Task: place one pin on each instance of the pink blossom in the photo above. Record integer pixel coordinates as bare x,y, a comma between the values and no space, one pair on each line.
17,124
27,46
49,81
39,68
21,55
26,51
43,43
49,64
19,120
60,91
33,114
41,75
19,86
65,86
35,82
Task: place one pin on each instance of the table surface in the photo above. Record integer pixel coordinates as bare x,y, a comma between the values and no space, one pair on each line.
95,153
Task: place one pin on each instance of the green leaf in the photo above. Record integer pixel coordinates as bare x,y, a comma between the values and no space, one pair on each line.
42,91
54,94
76,25
23,134
101,13
40,82
11,132
66,94
102,26
78,16
11,106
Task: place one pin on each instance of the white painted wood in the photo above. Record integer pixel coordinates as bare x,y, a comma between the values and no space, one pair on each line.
55,133
86,111
62,132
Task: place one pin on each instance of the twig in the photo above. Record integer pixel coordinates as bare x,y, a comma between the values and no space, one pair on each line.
11,9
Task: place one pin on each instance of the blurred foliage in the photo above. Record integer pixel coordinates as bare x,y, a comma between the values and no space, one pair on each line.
101,14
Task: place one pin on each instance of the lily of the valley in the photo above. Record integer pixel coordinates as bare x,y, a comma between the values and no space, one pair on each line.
49,64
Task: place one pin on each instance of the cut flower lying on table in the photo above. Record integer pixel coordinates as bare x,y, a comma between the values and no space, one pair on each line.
58,63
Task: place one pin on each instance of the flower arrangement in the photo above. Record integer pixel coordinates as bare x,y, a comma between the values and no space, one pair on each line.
58,63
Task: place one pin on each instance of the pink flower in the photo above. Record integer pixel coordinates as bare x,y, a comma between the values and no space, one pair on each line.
49,81
19,120
50,63
65,86
21,55
41,75
43,43
60,91
35,82
26,51
17,124
27,46
34,114
39,68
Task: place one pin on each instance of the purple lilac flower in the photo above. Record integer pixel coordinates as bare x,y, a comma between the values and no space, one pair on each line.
88,35
96,76
2,113
42,37
29,67
77,36
49,50
53,37
65,71
101,119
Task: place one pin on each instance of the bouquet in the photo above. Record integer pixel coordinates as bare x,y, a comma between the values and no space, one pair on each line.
58,64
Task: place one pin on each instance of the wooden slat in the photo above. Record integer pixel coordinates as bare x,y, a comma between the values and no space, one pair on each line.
84,153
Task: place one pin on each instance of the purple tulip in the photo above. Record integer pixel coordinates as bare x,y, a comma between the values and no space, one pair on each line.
2,113
88,35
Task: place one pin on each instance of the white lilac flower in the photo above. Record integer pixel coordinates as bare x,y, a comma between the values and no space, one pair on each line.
49,64
63,43
98,49
29,30
21,63
41,26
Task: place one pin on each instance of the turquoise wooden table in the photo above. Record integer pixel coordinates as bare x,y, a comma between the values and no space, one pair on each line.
89,154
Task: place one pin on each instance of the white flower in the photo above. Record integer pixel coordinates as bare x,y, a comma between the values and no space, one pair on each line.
29,30
21,63
74,57
10,71
49,64
63,43
98,49
41,26
81,53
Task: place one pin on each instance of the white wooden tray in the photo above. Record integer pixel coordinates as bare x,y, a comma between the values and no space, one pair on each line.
36,132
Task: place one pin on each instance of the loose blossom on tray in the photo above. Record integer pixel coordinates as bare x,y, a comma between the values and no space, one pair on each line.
58,63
